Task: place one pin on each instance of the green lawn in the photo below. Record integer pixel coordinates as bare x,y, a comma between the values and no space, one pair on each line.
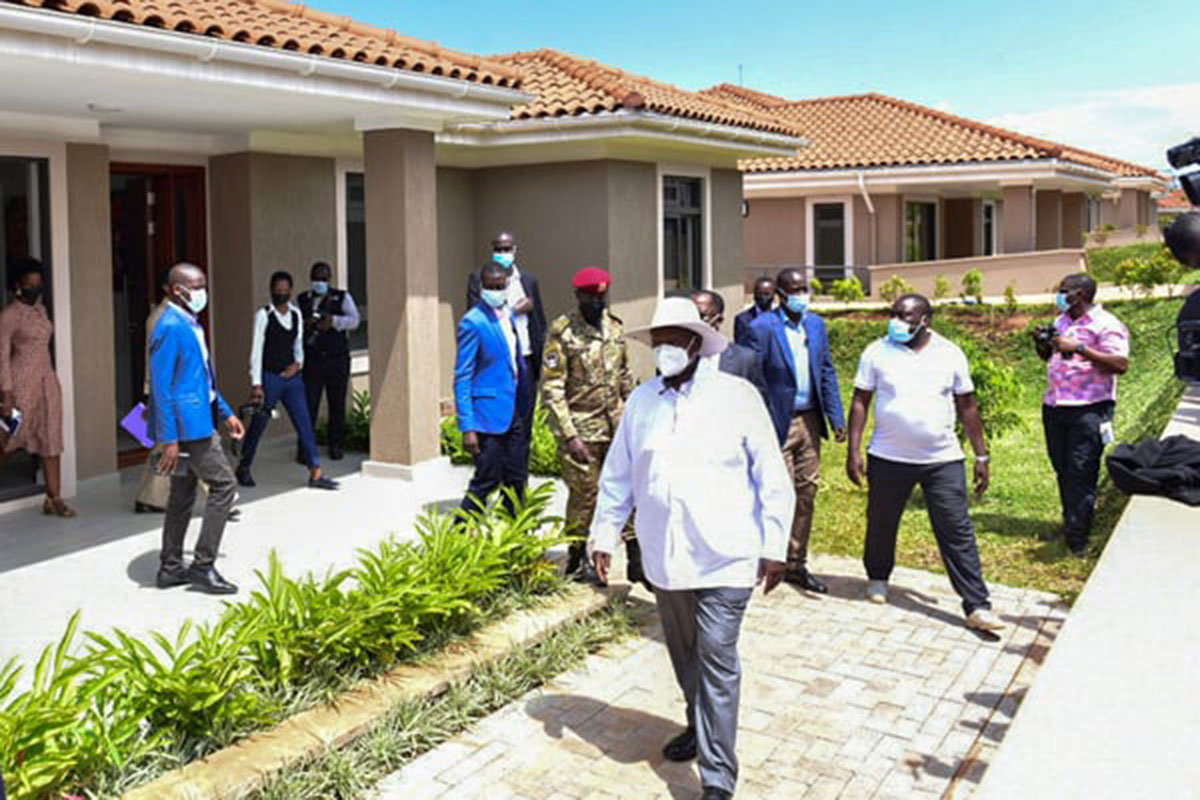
1102,261
1018,520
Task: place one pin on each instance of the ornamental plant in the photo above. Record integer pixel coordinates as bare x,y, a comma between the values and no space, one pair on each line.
847,290
941,287
972,284
894,287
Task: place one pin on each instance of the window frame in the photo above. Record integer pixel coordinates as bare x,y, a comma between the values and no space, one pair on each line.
994,205
810,242
342,169
937,226
668,170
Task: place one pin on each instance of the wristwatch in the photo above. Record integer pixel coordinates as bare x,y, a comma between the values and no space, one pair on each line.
1079,348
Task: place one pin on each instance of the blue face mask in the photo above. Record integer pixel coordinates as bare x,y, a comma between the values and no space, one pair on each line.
797,303
494,297
320,287
504,259
1061,301
899,331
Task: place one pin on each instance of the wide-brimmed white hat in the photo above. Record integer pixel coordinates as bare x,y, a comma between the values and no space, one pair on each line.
681,312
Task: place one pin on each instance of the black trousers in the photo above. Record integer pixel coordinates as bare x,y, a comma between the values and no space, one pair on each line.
206,462
1074,444
331,376
503,461
890,483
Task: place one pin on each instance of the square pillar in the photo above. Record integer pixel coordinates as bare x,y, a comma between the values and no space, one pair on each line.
1049,219
1127,209
402,283
1074,218
1018,219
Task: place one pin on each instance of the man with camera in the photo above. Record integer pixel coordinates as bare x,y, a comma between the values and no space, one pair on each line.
1085,350
330,315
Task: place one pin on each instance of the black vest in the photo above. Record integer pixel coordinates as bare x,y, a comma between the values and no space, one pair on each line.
317,343
279,344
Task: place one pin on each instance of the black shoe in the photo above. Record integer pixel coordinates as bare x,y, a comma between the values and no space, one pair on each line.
633,564
207,579
1078,549
146,508
336,454
172,576
574,558
235,515
805,580
713,793
322,483
682,747
244,478
587,574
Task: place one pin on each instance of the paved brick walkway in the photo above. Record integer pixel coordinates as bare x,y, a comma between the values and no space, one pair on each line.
840,699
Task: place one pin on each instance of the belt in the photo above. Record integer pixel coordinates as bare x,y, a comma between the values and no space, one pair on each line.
801,412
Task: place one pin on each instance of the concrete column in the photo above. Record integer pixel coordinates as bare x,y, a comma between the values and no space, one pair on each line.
889,219
1074,218
1018,219
92,337
1049,220
402,283
1127,209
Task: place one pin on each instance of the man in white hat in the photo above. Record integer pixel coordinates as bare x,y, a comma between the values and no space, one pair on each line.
697,455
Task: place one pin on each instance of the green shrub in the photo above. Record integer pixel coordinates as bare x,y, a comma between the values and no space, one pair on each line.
847,289
941,287
816,287
358,424
894,287
972,284
543,449
1010,298
1140,229
1102,261
1138,273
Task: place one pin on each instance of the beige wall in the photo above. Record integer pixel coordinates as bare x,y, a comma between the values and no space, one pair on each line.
92,336
1074,218
458,254
958,225
1127,209
1031,273
1049,220
889,230
773,234
1017,224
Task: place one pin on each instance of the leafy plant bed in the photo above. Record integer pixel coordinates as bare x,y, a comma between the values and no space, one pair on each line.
125,710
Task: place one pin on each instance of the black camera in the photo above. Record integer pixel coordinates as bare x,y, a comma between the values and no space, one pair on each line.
1185,155
1187,360
1045,334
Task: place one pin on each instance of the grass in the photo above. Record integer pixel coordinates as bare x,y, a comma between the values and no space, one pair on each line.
1017,521
413,728
1102,261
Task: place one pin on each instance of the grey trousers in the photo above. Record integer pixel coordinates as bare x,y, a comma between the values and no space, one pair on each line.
207,462
701,627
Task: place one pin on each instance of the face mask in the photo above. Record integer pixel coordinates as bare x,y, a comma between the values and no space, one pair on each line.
797,303
279,298
320,287
671,360
504,259
494,297
899,331
197,300
30,294
592,308
1061,301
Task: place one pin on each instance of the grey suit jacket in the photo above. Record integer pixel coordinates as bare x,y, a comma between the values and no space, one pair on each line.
746,364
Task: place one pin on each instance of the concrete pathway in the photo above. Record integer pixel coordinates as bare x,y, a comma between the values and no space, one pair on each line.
840,699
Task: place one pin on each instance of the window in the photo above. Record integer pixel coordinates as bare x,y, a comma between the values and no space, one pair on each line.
988,228
1092,222
920,231
829,234
24,233
356,253
683,233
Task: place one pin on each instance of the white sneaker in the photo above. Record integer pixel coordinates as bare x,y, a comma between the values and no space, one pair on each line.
877,592
982,619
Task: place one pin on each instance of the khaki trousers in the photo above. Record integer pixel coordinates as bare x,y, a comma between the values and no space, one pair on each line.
802,455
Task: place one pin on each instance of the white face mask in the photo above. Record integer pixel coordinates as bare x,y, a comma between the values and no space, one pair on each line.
494,297
197,300
671,360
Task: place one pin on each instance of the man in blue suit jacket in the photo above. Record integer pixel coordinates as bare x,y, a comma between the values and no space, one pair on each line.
185,409
492,392
802,392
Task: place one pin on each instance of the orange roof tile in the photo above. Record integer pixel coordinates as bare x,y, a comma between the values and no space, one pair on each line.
284,25
565,85
874,130
1174,200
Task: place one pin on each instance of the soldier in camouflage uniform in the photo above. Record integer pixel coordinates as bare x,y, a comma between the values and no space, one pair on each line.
585,380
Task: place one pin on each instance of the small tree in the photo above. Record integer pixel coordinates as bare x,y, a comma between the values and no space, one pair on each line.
815,287
972,284
1010,298
941,287
894,287
847,290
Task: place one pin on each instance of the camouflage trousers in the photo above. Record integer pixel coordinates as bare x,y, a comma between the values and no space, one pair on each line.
583,485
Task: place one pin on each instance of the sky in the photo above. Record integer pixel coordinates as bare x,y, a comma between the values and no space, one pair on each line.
1105,75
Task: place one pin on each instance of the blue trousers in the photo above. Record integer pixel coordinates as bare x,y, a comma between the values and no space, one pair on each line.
291,392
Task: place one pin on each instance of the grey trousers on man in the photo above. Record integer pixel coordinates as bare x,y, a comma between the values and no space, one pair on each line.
207,462
701,627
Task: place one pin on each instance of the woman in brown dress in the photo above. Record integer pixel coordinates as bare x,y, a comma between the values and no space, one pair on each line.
28,382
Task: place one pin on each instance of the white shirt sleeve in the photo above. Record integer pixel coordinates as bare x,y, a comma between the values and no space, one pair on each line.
962,373
349,319
256,347
865,377
614,501
769,475
298,342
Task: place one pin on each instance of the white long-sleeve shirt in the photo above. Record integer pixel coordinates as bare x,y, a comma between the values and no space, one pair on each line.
704,469
260,337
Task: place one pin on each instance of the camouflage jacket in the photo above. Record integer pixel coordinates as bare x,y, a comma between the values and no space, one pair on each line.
585,377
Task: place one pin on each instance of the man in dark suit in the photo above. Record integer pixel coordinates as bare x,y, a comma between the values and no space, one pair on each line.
764,297
802,392
734,359
493,392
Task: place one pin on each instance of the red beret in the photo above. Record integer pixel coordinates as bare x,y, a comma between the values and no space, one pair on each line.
592,278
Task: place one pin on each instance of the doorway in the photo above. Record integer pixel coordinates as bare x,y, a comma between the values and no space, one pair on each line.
158,220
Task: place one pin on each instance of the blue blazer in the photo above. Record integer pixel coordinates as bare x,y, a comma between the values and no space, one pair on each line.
180,409
485,382
768,338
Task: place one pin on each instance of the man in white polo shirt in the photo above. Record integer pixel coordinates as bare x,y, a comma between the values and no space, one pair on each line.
922,384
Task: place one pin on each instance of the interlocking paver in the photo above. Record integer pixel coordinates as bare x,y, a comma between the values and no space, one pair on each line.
840,699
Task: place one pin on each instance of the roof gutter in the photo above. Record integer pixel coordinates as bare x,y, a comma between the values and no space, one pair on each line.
84,31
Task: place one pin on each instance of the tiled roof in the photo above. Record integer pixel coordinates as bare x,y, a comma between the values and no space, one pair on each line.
874,130
565,85
284,25
1174,200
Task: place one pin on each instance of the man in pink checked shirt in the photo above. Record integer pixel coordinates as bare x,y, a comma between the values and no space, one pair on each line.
1083,360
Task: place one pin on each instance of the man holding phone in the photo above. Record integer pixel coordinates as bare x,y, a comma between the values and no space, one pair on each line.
185,409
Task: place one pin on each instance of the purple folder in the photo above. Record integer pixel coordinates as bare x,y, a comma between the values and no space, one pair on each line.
135,425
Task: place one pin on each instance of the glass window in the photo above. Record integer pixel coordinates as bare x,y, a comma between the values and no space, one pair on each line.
829,234
356,253
683,233
1093,214
920,231
989,228
24,233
